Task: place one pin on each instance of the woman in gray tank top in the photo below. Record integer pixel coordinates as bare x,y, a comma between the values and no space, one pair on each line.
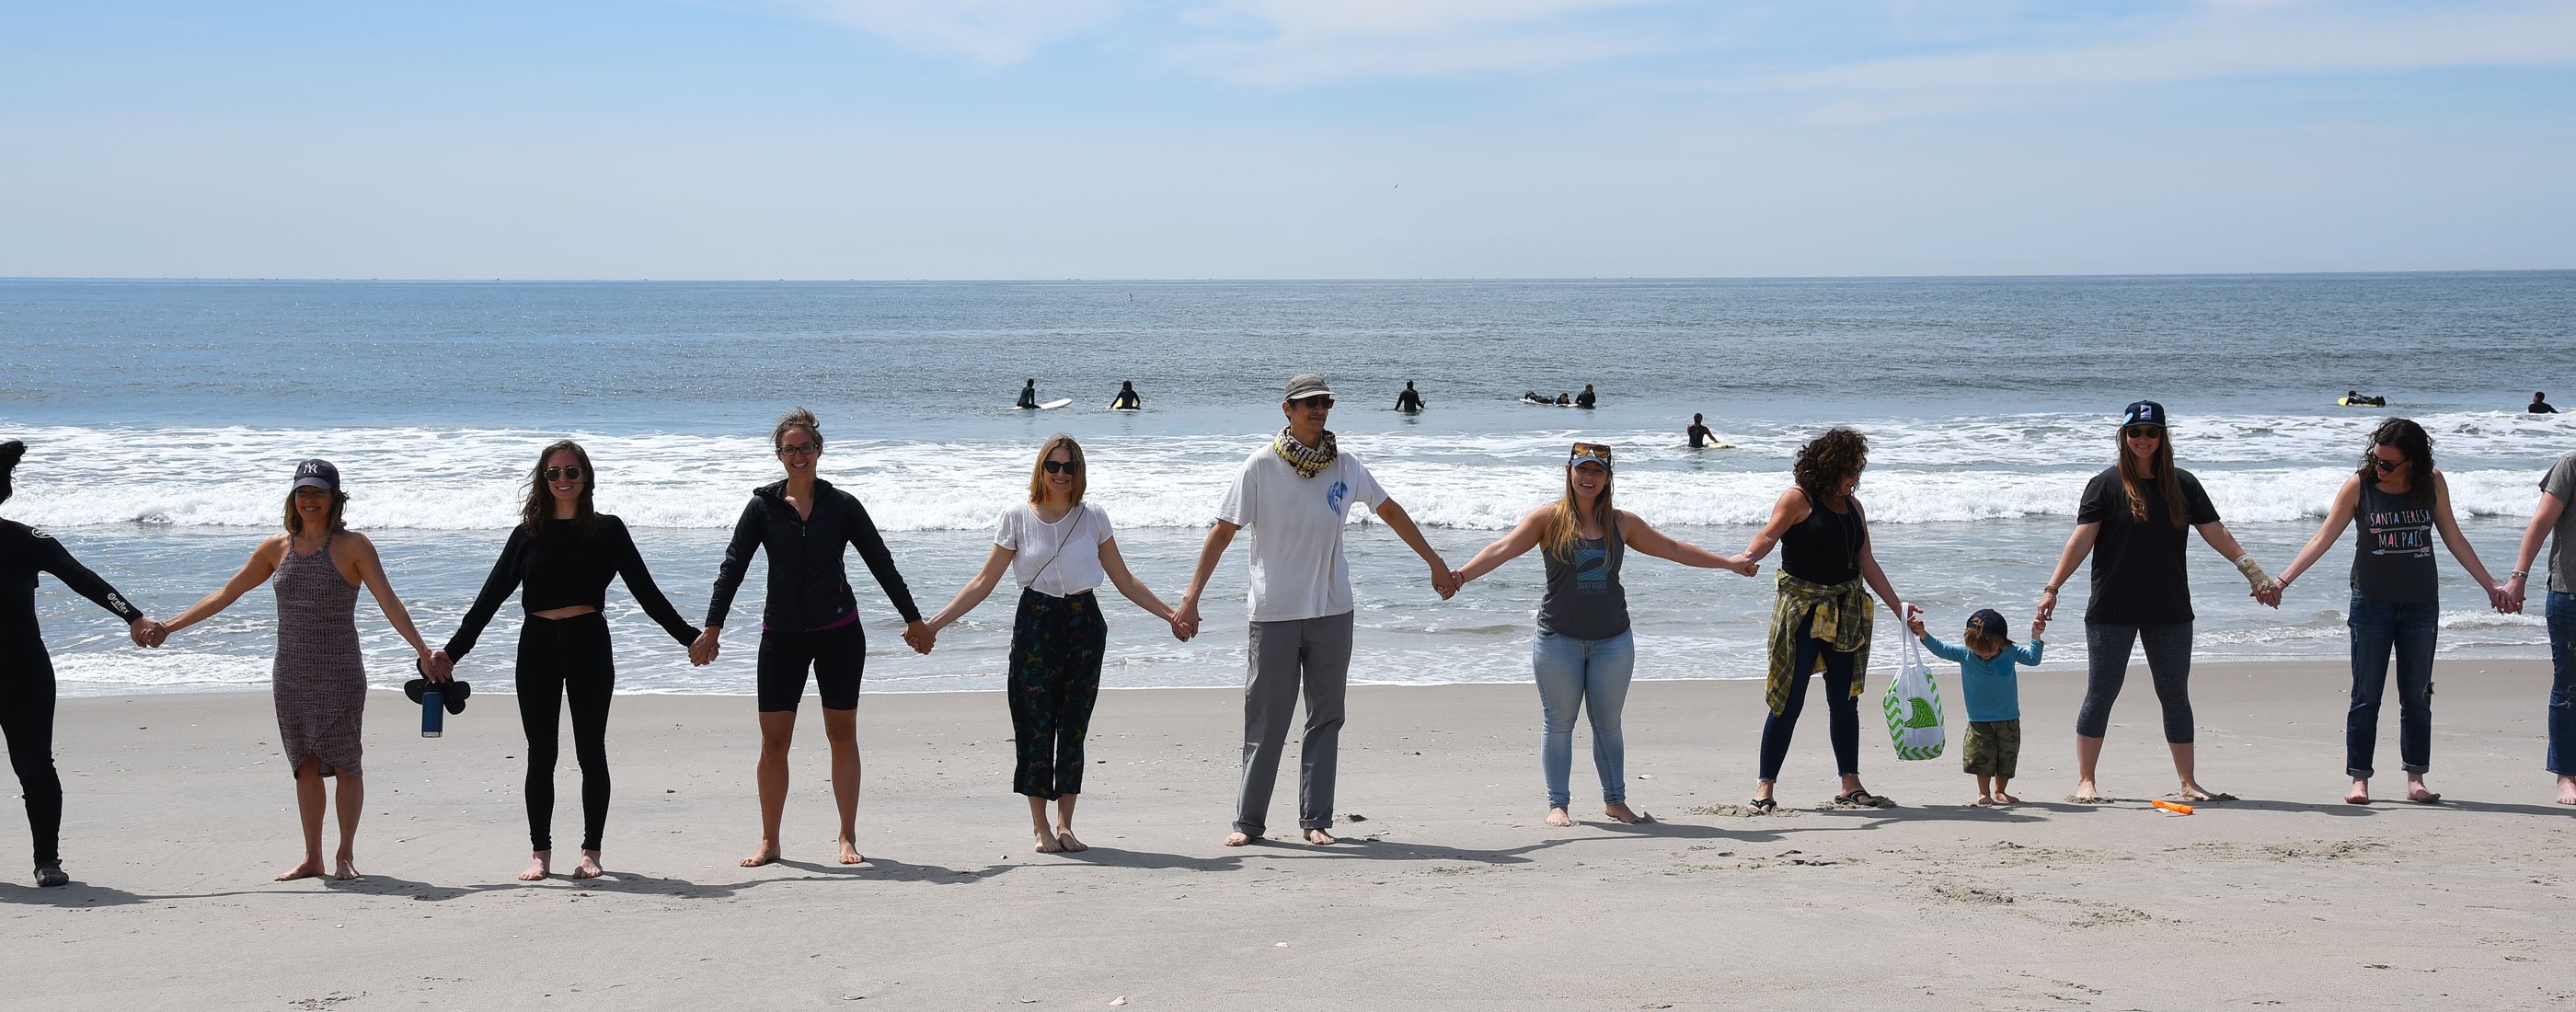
1584,652
2401,501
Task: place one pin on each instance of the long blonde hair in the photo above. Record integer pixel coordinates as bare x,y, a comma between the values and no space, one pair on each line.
1566,524
1037,474
2177,512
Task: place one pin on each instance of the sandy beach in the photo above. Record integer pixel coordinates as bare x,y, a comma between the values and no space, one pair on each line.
1449,892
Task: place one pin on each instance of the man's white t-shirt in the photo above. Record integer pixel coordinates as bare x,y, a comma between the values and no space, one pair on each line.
1054,559
1298,570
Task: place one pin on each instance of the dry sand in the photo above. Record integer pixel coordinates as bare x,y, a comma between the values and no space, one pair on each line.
1451,893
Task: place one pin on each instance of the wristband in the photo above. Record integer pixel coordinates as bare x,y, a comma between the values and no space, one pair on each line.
2050,589
2519,574
2253,571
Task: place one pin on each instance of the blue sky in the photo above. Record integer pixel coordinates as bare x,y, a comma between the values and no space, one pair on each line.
1282,138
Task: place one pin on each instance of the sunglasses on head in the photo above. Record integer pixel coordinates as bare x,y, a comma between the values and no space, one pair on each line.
800,449
2144,432
572,473
1064,467
1589,452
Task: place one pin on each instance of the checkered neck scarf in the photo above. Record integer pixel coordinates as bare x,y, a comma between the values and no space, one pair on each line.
1306,459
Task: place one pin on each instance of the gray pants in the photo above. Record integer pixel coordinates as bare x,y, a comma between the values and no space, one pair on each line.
1314,653
2168,662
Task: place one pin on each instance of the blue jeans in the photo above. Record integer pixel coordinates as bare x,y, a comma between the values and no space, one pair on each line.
2562,684
2380,628
1579,674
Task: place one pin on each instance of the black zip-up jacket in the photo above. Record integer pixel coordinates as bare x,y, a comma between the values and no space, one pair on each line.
808,588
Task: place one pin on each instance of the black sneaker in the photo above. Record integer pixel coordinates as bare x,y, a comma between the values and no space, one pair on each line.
52,875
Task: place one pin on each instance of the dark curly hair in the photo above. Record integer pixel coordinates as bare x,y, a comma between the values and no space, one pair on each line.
2409,439
1829,460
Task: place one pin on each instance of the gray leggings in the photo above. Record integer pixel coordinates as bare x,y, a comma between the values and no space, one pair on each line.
2168,661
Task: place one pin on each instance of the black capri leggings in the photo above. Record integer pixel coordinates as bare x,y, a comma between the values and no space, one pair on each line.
838,657
2168,661
27,717
560,658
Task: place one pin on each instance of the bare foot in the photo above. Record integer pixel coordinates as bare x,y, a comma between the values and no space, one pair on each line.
1623,813
2359,794
2195,792
311,867
1048,844
346,870
1320,838
1556,816
2567,790
1238,839
1064,835
2087,794
1982,801
850,852
538,866
2002,798
589,866
2419,795
767,853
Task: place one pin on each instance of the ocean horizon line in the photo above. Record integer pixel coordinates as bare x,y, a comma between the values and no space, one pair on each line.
1315,280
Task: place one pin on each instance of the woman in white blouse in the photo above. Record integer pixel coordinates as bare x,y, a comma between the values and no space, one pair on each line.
1060,550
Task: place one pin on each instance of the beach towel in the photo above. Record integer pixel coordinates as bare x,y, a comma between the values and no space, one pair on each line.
1913,705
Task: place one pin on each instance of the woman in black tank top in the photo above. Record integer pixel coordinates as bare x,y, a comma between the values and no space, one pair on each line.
2401,501
1585,653
1821,619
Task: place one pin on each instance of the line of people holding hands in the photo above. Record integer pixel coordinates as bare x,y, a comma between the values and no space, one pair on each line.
1291,500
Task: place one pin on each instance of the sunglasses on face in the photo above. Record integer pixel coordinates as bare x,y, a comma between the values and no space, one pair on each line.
2143,432
572,473
800,449
1064,467
2384,464
1325,403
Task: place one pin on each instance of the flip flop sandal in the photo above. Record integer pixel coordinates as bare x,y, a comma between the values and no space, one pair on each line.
1862,799
452,694
1762,806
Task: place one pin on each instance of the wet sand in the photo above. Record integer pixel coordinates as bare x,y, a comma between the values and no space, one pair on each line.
1449,892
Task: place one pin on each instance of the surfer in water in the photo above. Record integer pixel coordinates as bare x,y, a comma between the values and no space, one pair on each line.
2539,404
1562,400
1584,399
1700,436
1029,395
1125,401
1410,402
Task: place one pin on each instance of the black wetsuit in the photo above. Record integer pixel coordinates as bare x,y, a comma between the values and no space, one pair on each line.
810,618
1700,435
27,671
1029,396
1584,399
568,656
1408,401
2541,408
1127,400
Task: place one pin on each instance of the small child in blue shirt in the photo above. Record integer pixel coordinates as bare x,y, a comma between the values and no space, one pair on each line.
1994,697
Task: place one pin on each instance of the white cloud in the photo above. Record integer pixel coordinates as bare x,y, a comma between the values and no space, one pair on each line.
993,32
1295,42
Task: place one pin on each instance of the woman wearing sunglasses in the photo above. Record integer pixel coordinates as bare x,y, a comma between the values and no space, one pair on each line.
1822,618
2131,522
319,681
1060,549
565,551
2401,501
810,620
1585,652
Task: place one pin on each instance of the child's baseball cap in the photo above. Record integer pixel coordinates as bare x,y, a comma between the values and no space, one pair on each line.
1989,622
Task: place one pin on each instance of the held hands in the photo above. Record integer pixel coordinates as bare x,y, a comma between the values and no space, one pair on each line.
703,652
1744,564
2511,592
1444,581
920,636
438,667
2038,628
147,633
1185,620
1914,624
2047,607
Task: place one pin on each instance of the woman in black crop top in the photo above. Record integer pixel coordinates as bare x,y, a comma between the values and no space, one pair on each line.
560,558
1821,619
27,671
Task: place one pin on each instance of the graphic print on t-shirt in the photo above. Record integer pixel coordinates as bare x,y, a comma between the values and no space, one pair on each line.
2400,532
1591,569
1333,496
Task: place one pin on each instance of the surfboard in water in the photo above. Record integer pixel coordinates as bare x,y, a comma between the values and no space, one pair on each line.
1056,403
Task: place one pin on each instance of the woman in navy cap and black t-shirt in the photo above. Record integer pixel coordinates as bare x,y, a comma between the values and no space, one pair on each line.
2132,521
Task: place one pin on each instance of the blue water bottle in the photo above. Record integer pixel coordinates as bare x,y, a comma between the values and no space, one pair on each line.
433,712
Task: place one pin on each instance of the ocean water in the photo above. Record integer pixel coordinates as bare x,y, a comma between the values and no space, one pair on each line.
166,416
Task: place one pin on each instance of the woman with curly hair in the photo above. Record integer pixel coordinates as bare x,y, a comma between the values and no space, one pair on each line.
2401,500
1822,618
2131,522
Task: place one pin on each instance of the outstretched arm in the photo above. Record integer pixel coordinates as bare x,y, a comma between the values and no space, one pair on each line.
2078,545
58,560
2339,516
1645,538
1402,524
1115,566
2458,543
263,564
1185,619
1521,538
371,572
976,590
2544,519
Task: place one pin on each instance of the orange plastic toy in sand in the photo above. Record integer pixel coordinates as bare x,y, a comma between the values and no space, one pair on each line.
2172,807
